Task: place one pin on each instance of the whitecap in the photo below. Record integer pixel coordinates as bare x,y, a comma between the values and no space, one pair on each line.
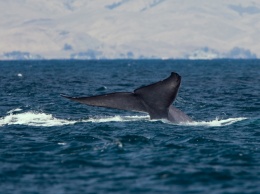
62,143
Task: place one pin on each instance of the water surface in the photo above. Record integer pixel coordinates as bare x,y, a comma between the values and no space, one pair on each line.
49,144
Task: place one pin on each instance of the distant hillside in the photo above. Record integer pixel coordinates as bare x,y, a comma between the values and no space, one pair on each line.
108,29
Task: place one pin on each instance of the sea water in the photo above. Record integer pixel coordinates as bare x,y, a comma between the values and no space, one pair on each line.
49,144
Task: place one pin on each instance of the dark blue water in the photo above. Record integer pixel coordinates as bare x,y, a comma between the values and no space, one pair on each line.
49,144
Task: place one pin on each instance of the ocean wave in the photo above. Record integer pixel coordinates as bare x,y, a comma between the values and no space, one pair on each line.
31,118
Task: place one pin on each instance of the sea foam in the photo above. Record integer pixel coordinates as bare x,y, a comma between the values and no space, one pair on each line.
216,122
31,118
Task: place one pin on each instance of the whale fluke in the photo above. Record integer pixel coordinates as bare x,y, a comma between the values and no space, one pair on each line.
120,100
155,99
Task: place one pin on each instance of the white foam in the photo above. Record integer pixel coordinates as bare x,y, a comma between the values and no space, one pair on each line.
14,110
47,120
31,118
62,143
117,119
215,123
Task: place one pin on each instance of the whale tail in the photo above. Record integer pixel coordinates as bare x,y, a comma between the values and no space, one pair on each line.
154,99
120,100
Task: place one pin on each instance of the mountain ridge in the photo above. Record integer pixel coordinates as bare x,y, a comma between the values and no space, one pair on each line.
110,29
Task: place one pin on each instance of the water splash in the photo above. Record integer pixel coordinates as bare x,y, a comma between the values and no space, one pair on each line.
216,122
31,118
117,119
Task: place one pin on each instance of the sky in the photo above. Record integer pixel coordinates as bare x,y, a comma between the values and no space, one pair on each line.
112,29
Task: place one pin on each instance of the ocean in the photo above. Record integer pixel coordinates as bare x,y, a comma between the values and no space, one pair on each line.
49,144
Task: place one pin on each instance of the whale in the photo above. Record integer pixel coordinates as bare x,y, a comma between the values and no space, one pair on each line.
155,99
